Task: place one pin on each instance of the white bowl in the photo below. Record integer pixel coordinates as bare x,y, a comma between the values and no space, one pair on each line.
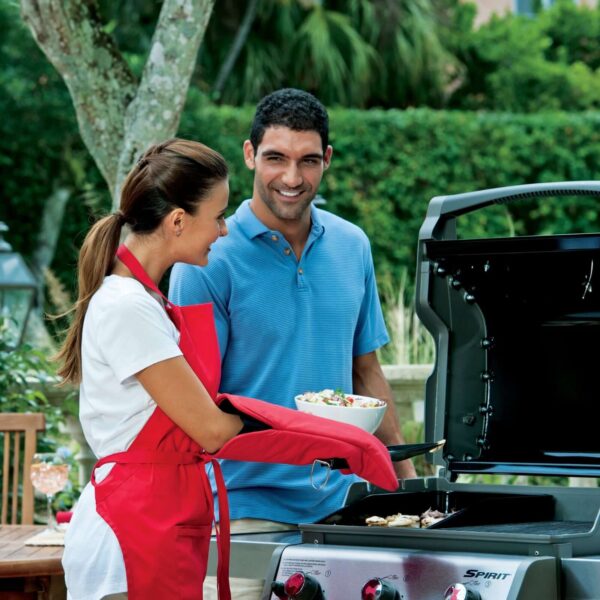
367,418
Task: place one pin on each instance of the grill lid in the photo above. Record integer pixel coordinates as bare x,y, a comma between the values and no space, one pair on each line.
516,323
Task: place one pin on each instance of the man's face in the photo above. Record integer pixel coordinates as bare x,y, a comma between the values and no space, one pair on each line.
288,167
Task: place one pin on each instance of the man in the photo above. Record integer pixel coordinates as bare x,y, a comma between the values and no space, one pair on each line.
296,308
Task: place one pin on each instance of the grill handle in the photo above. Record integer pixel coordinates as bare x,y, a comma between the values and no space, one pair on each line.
444,208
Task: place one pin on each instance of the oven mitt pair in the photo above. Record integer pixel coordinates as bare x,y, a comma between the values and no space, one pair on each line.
275,434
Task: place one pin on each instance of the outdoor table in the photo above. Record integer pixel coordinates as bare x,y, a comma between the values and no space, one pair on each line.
29,568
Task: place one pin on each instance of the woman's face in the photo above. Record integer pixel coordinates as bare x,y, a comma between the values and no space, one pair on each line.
206,225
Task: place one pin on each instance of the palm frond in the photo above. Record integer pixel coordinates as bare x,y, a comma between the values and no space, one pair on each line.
323,65
336,61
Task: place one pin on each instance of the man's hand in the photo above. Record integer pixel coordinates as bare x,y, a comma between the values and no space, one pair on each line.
369,380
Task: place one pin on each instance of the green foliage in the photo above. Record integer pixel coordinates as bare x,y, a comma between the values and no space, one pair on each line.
350,53
24,372
410,342
522,64
574,32
357,53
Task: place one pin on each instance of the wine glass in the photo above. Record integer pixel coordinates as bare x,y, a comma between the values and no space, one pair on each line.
49,475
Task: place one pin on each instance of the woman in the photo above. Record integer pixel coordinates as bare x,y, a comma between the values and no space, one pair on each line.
123,350
149,373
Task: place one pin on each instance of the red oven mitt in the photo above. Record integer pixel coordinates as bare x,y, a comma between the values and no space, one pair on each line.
275,434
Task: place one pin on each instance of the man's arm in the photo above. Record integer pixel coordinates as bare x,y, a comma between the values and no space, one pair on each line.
369,380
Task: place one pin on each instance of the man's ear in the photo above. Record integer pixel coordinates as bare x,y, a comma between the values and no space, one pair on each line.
327,157
249,155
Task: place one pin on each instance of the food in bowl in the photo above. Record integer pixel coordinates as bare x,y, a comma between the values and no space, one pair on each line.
361,411
338,398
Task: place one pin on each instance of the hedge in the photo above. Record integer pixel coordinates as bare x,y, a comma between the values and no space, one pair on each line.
386,167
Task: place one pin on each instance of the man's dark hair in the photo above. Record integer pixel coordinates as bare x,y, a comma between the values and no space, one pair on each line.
296,109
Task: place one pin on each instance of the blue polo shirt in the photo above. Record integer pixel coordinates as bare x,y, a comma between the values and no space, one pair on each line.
286,326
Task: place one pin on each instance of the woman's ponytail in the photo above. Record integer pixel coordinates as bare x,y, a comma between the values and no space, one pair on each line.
96,259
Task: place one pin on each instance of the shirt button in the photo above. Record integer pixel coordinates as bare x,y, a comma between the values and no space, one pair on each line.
300,271
274,238
287,251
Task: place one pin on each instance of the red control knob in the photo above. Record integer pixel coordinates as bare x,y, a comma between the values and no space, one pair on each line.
378,589
458,591
301,586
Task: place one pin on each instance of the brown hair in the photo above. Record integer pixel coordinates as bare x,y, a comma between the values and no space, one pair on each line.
174,174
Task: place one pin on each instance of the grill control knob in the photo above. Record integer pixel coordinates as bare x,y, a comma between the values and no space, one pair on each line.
378,589
298,586
458,591
277,589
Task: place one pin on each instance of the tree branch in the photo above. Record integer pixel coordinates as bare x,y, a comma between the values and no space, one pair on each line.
70,34
153,115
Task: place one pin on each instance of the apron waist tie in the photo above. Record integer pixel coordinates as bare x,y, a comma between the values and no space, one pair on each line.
222,529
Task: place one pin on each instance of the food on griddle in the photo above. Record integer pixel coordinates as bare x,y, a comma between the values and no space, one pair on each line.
401,520
398,520
429,517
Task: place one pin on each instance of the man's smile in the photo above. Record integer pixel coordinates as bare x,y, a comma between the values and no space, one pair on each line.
290,194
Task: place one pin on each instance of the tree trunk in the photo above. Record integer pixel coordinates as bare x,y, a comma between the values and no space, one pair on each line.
238,43
70,34
154,113
117,118
52,219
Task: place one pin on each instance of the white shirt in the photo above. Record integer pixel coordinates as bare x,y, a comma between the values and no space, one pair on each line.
125,330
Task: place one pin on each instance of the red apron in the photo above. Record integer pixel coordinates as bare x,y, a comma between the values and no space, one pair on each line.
157,499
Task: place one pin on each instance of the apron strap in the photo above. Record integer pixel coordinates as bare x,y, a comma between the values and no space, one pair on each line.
222,530
149,457
125,255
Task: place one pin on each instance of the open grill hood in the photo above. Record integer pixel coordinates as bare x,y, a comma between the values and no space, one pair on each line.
516,323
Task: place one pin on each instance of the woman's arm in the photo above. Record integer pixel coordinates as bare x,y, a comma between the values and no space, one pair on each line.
181,395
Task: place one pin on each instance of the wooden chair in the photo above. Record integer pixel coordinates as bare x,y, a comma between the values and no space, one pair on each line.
17,426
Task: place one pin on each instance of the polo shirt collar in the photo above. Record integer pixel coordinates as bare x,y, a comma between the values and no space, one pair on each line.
252,226
317,228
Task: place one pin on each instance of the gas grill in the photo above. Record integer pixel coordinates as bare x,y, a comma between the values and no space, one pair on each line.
514,390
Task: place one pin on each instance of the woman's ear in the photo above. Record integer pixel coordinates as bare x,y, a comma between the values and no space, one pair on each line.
175,221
